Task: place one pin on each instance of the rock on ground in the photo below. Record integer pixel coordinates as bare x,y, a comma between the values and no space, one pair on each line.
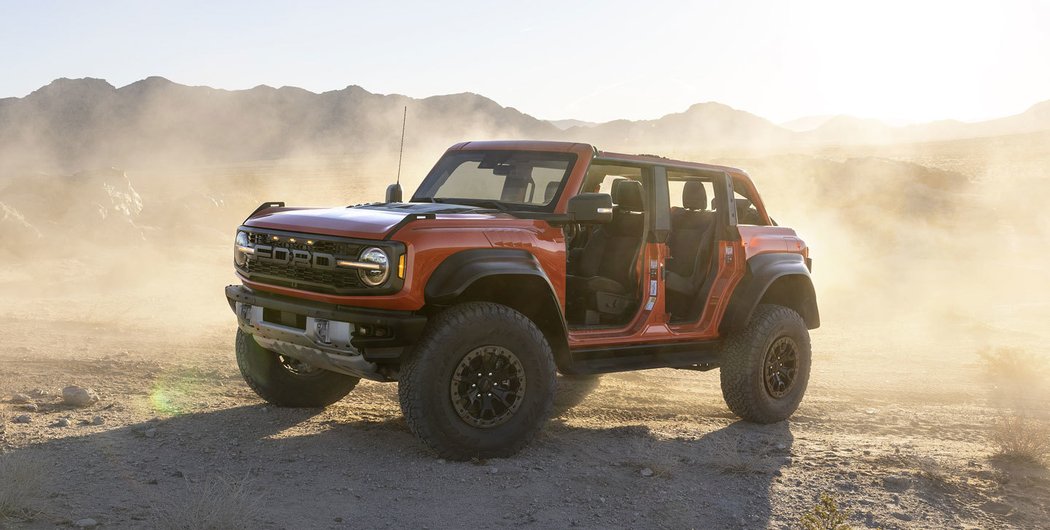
79,396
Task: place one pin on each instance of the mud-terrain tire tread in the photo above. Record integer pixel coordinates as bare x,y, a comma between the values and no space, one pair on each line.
271,381
742,365
415,393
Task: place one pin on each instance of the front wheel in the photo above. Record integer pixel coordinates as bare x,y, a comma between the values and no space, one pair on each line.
480,383
765,367
286,382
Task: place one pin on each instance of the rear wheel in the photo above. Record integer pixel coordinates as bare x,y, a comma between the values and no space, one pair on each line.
287,382
480,382
765,367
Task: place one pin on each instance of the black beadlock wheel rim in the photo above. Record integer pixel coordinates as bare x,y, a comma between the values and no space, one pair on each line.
780,367
488,386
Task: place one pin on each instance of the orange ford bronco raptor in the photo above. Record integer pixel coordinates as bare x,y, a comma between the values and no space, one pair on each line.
514,261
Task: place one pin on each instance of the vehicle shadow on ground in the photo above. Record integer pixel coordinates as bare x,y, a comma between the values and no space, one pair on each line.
314,468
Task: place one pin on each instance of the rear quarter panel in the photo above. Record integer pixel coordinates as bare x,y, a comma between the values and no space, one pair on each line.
765,239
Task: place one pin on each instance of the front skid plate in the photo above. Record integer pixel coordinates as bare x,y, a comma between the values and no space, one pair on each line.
337,356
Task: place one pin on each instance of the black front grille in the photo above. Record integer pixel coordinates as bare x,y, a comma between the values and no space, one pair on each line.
339,249
305,277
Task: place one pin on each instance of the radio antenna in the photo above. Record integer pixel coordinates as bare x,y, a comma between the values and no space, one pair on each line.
393,191
401,152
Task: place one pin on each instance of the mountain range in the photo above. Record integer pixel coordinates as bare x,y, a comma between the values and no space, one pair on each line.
74,124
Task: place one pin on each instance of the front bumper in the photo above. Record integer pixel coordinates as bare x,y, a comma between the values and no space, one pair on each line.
337,338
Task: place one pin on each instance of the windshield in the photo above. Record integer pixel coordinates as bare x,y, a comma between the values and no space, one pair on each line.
511,180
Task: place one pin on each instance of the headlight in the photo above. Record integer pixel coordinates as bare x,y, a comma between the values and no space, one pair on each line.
241,249
375,276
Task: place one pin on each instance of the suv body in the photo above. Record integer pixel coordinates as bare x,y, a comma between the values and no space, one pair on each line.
519,236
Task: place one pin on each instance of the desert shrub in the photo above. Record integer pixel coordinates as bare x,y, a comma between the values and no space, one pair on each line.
825,515
1012,367
20,482
1022,438
1019,381
212,504
1018,378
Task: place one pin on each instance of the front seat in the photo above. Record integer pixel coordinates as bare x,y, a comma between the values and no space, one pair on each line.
690,242
602,284
550,191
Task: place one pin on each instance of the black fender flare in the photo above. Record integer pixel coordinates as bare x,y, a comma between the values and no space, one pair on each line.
763,271
466,268
460,270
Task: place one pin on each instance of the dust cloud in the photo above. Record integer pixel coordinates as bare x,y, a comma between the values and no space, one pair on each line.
948,234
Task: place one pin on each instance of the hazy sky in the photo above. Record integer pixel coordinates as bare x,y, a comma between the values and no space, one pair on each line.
894,60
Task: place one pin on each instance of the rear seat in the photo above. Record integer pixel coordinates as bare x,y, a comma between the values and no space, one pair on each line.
690,243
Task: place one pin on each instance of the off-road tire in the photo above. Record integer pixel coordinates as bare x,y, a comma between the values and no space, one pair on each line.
424,381
264,373
743,365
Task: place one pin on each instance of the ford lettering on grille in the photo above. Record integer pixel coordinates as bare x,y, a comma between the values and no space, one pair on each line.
288,260
296,257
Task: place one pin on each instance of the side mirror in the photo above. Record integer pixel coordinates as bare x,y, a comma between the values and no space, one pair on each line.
591,208
393,193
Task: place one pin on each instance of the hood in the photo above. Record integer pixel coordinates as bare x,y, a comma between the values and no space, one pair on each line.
366,221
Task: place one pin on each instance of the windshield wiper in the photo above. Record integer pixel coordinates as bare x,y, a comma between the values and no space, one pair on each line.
496,205
481,203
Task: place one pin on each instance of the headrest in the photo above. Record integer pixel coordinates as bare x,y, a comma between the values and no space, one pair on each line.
551,191
742,205
627,195
694,196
